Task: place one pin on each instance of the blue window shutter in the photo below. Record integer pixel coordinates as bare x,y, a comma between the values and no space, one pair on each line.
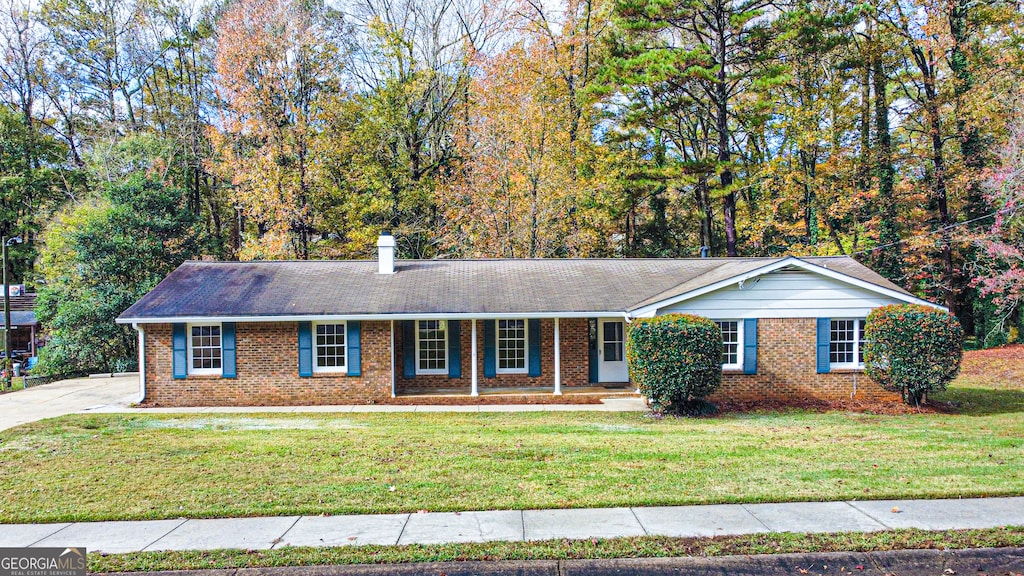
305,349
352,339
750,346
534,337
227,347
824,336
180,346
592,351
490,362
408,348
454,349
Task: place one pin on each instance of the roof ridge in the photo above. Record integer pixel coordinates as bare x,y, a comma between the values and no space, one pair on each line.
575,259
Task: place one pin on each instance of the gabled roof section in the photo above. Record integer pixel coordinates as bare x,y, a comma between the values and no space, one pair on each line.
728,269
252,291
842,268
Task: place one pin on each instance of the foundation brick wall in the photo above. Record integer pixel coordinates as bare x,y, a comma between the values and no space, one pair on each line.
573,337
786,369
268,371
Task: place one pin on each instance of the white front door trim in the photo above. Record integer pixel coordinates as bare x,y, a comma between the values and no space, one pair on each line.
615,370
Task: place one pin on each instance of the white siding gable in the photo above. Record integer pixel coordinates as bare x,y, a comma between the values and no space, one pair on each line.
784,294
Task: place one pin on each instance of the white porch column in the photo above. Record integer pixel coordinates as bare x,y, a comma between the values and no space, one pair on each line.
392,358
475,391
558,361
142,362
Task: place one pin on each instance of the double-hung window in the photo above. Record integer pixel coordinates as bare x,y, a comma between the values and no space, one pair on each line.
845,347
431,347
511,345
204,349
732,349
329,348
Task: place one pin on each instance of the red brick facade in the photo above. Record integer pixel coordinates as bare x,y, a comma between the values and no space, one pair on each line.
267,368
786,369
268,371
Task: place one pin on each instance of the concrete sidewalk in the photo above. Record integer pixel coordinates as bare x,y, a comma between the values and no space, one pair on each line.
519,525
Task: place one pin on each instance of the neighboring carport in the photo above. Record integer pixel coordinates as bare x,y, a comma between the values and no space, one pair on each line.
23,335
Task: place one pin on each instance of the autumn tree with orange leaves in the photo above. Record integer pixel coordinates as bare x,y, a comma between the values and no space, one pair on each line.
525,180
279,63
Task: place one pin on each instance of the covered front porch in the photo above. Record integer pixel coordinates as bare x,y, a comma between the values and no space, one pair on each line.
562,359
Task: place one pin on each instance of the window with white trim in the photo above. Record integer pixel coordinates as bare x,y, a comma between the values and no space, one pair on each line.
732,347
511,346
431,347
845,343
614,342
329,347
204,349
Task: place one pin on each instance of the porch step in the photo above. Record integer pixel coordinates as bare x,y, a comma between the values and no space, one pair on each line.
510,396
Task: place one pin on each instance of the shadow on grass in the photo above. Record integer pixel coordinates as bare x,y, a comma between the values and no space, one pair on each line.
979,401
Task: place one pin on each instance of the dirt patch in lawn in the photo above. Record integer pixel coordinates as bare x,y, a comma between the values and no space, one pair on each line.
817,405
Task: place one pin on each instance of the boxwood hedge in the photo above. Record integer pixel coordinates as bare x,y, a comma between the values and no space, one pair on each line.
676,360
912,349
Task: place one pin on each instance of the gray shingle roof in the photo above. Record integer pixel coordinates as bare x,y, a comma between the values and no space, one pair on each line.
483,287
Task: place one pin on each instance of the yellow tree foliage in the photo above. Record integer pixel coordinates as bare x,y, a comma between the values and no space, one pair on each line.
278,64
525,186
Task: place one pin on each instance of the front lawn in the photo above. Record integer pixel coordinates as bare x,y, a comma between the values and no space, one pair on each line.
105,467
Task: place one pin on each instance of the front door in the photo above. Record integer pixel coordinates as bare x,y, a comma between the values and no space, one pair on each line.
611,351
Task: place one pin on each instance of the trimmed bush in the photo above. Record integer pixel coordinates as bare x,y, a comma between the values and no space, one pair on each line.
912,349
676,360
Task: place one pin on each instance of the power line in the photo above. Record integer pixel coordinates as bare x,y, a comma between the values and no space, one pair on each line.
933,232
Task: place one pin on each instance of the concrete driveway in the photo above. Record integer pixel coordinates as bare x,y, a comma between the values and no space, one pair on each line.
65,397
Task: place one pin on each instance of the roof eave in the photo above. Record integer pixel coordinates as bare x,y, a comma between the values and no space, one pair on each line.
372,317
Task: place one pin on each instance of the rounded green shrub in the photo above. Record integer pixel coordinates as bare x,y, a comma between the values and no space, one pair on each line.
912,349
675,360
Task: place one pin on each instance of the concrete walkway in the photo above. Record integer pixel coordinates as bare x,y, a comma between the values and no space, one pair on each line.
66,397
518,525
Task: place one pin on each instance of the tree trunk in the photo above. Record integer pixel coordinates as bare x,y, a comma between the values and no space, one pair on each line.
889,258
927,67
702,194
972,148
724,146
864,161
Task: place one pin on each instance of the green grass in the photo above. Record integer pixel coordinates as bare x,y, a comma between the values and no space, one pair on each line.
645,547
141,466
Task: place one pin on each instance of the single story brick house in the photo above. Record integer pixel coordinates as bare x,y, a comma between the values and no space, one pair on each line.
344,332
